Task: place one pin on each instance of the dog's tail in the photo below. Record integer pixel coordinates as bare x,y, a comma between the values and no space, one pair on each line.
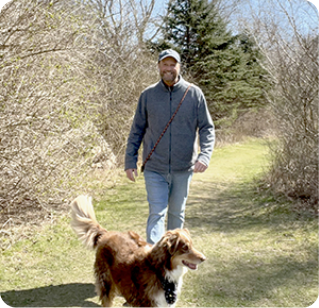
84,222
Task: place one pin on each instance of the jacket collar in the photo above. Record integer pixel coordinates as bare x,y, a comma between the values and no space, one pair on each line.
177,86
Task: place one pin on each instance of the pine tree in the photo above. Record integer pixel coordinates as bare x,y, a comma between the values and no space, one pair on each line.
226,66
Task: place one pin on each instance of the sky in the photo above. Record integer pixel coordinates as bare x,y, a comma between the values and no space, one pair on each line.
303,15
241,12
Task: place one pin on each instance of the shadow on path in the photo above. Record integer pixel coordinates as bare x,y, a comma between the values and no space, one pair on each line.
66,295
239,208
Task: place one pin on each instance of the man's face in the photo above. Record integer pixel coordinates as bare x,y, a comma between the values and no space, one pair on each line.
169,70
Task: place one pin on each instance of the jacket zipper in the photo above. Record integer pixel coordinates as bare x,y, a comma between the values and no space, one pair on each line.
170,134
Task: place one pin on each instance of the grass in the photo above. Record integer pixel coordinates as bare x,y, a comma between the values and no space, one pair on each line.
259,252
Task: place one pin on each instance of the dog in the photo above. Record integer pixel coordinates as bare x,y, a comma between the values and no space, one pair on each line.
126,265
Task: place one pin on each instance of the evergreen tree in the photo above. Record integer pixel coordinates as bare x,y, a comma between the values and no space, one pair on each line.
224,65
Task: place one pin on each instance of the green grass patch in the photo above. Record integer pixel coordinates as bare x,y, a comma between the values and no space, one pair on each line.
259,252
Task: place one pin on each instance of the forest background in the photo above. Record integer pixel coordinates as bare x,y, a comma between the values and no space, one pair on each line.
71,73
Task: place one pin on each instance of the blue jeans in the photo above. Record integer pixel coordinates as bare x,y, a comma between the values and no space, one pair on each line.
166,193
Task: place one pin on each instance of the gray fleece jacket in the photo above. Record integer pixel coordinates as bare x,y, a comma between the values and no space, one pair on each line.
177,150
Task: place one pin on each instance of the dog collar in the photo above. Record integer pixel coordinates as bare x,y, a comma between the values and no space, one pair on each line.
170,291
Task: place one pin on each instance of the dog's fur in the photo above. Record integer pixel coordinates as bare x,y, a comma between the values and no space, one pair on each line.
126,265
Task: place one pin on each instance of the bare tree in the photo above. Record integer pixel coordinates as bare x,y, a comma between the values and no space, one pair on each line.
41,122
70,79
125,66
287,32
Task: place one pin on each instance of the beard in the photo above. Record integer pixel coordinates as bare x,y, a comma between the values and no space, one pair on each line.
169,77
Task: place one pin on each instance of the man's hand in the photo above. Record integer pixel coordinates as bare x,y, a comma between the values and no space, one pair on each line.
199,167
131,174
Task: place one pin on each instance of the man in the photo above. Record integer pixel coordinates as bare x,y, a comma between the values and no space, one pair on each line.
169,170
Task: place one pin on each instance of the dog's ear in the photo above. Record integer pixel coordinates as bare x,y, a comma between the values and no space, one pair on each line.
186,231
172,243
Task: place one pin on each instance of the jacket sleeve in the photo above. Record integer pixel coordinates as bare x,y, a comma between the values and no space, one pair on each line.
206,132
136,135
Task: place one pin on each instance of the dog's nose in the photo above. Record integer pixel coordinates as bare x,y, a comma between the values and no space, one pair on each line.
203,258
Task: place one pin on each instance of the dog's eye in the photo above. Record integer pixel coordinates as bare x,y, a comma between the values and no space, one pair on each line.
185,248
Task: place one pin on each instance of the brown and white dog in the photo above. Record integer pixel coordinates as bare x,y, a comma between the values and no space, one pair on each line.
145,275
